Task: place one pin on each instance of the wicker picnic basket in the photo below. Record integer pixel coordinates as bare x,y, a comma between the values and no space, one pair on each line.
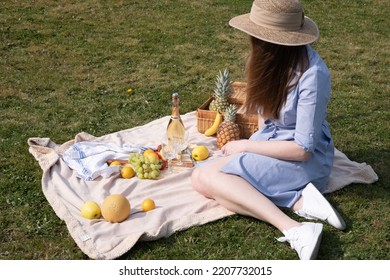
248,123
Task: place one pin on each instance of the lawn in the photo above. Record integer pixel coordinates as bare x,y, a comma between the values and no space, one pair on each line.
66,67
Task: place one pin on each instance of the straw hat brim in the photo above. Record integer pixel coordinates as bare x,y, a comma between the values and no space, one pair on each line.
307,34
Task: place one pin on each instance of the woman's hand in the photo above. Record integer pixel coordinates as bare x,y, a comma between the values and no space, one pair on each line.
234,147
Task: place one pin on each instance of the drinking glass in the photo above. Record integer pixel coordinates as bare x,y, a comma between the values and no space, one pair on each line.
181,144
169,151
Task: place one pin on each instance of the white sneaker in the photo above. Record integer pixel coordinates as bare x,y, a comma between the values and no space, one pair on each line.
316,207
304,239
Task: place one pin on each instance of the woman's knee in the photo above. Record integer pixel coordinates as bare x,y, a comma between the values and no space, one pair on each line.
195,179
204,177
198,181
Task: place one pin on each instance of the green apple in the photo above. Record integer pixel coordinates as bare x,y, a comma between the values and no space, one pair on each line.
91,210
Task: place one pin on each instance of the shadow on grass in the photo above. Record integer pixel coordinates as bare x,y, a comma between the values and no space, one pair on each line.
378,159
331,246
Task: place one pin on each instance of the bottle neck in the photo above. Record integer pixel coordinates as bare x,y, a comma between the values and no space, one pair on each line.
175,106
175,112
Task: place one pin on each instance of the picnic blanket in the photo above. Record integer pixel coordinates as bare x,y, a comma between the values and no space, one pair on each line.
178,206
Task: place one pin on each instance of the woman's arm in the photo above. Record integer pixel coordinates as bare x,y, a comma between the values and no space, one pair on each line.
284,150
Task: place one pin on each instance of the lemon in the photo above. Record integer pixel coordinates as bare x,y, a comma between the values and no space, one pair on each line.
127,172
115,163
200,153
90,210
147,205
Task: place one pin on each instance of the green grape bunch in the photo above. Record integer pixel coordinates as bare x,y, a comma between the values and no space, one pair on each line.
145,168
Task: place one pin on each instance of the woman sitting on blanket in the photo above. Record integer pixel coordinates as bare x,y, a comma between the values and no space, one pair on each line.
287,163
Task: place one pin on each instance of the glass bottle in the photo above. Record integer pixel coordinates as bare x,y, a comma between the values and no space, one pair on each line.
175,128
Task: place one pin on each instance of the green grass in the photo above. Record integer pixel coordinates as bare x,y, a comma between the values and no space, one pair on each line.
66,66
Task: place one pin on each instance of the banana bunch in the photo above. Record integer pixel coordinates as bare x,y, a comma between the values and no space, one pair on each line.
213,129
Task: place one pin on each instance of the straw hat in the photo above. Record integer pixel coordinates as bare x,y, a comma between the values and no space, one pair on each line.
280,22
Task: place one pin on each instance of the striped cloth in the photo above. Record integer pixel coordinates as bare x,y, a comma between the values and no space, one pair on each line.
89,159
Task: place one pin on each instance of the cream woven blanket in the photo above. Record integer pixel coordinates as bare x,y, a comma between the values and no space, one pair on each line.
178,205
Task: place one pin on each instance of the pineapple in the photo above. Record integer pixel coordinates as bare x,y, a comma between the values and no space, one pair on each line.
228,130
222,92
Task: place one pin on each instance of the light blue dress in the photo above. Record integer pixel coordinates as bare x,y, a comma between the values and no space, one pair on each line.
303,120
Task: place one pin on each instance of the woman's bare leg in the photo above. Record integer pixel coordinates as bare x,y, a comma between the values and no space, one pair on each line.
237,195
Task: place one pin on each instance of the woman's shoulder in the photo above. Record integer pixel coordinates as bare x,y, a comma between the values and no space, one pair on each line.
316,63
317,75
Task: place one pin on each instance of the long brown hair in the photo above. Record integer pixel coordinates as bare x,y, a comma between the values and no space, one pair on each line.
270,75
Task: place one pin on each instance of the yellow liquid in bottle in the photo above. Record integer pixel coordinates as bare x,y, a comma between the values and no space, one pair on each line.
175,128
